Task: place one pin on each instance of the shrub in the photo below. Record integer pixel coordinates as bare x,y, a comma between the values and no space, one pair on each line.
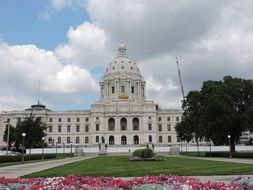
144,153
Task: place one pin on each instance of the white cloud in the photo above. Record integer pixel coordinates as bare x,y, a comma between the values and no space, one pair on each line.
86,46
71,79
61,4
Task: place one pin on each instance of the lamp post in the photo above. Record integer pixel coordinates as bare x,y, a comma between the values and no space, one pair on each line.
71,144
63,144
76,150
56,144
229,143
43,139
8,136
23,147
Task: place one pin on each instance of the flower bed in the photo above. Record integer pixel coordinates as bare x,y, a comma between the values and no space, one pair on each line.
162,182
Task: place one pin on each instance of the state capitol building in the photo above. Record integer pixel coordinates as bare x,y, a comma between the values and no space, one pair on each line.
122,116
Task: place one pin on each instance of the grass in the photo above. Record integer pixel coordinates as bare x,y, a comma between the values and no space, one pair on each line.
120,166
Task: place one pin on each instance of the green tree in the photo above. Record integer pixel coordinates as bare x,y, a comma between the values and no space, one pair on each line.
12,135
34,127
219,109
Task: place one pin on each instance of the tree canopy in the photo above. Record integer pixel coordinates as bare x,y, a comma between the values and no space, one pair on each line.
218,109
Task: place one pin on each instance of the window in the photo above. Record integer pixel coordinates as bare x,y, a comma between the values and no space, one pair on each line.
8,119
123,140
149,138
78,128
69,120
50,129
68,140
50,120
160,139
59,128
136,139
111,124
59,119
149,126
86,119
159,127
113,89
132,89
97,139
122,89
159,119
97,127
86,128
59,140
136,124
169,127
169,139
123,124
177,118
111,140
168,118
68,128
19,119
78,119
97,118
86,140
149,117
77,140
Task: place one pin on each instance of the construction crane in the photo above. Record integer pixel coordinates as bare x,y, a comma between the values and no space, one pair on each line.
180,79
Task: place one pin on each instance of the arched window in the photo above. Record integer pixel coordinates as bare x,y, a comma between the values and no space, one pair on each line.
68,140
136,139
59,140
97,139
111,140
86,140
50,140
150,138
160,139
169,139
123,124
136,124
123,140
111,124
77,140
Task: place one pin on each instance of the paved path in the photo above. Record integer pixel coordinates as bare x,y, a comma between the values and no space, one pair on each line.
24,169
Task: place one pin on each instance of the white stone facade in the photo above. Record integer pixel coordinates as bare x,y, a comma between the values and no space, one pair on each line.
121,117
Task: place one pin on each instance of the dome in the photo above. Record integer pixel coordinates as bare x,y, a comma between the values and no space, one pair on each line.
122,65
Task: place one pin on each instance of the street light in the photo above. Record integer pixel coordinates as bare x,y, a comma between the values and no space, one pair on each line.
43,139
229,142
8,136
23,147
56,144
76,150
63,144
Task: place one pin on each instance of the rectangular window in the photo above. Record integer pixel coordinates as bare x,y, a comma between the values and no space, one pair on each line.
59,119
159,119
68,128
8,119
97,127
69,120
50,120
78,128
97,118
86,128
149,126
168,127
50,129
78,119
19,119
132,89
168,118
59,128
86,119
177,118
113,89
159,127
122,89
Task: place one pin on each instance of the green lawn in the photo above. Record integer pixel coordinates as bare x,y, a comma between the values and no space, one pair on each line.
120,166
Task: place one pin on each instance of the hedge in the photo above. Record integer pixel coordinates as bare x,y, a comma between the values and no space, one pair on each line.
144,153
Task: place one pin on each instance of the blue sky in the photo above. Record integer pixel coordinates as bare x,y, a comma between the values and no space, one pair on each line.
67,44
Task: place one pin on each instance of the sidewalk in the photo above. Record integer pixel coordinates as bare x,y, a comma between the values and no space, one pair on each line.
24,169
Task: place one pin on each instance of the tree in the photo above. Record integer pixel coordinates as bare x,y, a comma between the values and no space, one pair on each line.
12,135
34,127
219,109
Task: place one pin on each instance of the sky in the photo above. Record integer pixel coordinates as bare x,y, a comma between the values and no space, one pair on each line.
58,50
